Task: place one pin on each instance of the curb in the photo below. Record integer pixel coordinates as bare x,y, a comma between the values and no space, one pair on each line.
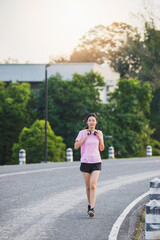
128,227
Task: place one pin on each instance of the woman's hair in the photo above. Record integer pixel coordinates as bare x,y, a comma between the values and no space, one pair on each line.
89,115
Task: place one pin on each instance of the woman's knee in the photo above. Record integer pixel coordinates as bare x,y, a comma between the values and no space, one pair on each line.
93,186
88,188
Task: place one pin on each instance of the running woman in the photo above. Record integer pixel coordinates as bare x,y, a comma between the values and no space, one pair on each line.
90,140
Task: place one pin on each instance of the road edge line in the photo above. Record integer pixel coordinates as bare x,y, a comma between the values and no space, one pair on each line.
116,226
34,171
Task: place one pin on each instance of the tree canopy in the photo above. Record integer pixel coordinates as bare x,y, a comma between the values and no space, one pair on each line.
97,42
126,119
32,140
154,115
125,49
131,117
16,110
69,102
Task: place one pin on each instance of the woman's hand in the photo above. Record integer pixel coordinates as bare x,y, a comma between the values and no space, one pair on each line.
101,144
99,134
87,133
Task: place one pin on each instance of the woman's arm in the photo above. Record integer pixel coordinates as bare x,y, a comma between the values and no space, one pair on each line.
79,143
101,143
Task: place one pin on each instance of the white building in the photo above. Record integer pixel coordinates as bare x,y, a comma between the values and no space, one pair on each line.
35,73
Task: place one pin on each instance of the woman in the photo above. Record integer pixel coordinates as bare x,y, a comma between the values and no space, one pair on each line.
90,140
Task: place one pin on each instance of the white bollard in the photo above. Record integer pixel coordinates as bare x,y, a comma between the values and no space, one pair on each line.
152,220
69,155
22,156
155,189
149,151
111,152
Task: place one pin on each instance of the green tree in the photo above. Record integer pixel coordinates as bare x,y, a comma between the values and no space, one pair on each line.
32,140
126,50
96,43
126,118
2,122
17,111
155,114
139,57
69,102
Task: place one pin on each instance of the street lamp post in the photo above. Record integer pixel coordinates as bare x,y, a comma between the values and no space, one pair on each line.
46,109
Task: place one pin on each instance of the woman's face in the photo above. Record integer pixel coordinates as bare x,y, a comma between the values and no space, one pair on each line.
91,122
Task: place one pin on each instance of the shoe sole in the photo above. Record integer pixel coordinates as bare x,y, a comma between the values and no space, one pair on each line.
91,214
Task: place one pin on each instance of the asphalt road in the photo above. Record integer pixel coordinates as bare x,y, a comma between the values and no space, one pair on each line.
48,201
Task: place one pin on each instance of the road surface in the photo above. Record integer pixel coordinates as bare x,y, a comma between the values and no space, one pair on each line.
48,201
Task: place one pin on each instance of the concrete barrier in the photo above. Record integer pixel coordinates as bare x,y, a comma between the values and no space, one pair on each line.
149,151
22,156
152,220
69,155
155,189
152,217
111,152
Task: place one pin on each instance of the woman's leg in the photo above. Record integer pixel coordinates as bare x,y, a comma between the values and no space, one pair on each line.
87,179
94,178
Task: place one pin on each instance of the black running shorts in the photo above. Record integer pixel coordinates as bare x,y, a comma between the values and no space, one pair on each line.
90,167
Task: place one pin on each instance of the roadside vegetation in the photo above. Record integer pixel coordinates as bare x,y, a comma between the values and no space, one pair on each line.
140,230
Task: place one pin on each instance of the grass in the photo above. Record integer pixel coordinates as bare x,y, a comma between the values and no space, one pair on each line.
140,230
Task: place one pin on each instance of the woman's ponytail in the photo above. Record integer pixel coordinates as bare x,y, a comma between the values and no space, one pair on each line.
86,127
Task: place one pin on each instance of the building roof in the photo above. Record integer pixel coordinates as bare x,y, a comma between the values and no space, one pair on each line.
36,72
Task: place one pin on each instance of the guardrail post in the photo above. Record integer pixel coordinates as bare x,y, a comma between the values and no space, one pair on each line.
149,151
69,155
111,152
152,220
22,156
155,189
152,217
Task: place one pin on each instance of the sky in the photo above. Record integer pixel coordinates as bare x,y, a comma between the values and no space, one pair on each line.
35,30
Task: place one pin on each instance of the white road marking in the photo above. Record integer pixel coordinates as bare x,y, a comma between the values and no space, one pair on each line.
116,226
150,160
146,161
35,171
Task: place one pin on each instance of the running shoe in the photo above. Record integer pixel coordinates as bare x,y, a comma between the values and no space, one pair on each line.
91,212
89,207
